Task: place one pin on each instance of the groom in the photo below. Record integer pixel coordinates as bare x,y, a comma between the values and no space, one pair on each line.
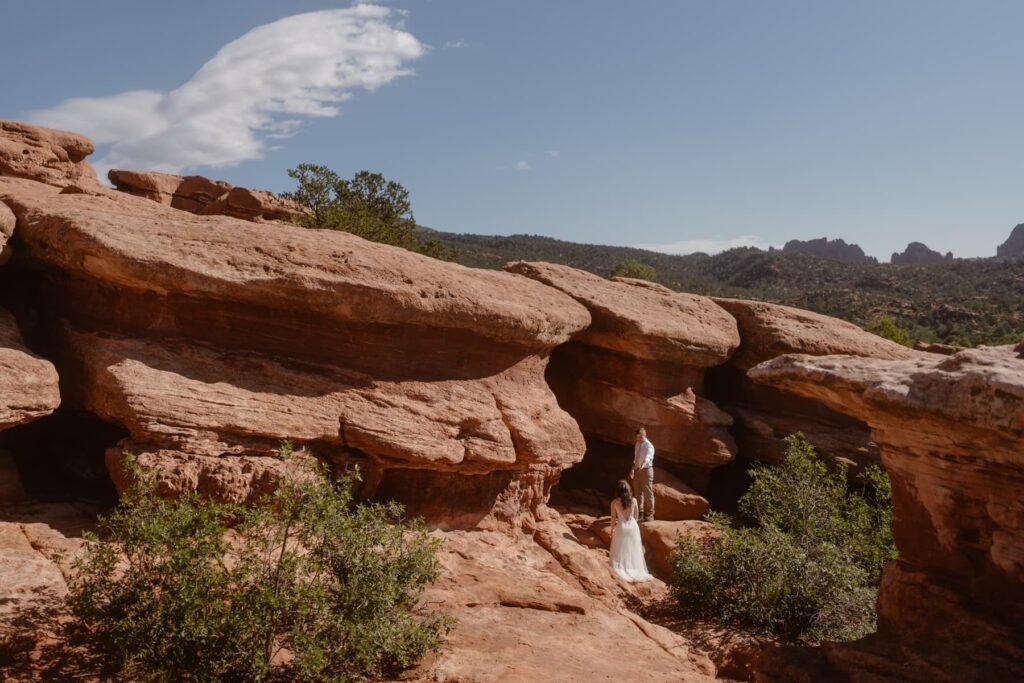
642,475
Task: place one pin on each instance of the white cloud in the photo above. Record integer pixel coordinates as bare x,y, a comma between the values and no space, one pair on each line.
708,246
454,44
261,86
553,153
522,165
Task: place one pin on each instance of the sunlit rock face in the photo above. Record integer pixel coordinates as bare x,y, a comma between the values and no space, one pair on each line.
763,414
641,362
44,155
197,194
28,384
212,339
951,434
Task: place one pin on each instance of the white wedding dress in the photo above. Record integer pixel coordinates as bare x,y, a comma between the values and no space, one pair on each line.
627,551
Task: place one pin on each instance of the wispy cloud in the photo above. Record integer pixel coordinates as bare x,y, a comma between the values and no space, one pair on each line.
454,44
261,86
522,165
553,153
707,246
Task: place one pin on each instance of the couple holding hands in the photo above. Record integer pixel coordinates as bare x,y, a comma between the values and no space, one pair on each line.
627,550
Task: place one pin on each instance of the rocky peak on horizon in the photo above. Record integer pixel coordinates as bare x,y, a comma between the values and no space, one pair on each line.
837,250
473,397
918,254
1014,244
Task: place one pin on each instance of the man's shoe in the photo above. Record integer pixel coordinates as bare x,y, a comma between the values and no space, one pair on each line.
649,518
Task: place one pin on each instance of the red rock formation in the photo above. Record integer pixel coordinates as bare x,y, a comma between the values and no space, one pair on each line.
7,221
188,193
642,362
212,339
44,155
28,383
951,431
200,195
764,415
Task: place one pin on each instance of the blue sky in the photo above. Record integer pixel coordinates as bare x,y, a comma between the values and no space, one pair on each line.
647,123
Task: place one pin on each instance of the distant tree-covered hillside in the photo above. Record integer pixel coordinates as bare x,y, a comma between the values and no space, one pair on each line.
966,302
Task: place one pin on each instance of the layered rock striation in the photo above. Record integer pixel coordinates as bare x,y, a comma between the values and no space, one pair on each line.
212,339
200,195
765,414
45,155
641,362
28,384
950,431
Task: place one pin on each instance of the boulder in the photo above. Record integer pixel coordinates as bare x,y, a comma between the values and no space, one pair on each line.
641,362
188,193
254,205
674,500
212,339
200,195
28,383
660,539
765,415
770,330
45,155
950,430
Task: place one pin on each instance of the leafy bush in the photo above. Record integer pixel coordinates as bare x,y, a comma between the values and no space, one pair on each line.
887,328
303,584
809,565
368,205
635,269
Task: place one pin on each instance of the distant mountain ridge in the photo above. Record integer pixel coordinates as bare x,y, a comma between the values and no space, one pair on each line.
918,254
958,301
1014,244
837,250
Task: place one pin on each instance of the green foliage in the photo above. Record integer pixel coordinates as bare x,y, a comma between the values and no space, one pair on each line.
808,566
887,328
368,205
635,269
191,589
965,302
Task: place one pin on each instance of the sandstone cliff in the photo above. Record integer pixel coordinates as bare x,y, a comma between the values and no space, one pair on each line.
951,431
207,338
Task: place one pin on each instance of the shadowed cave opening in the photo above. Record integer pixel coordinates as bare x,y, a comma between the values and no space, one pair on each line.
60,457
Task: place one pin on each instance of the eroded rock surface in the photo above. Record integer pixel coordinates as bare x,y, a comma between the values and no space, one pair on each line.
212,339
642,362
200,195
765,415
950,431
28,384
7,221
54,157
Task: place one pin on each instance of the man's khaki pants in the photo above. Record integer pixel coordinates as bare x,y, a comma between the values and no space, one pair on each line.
643,490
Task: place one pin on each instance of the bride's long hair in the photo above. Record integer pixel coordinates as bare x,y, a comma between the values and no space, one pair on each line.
625,493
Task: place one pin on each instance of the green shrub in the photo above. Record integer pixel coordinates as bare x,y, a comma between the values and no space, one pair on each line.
634,269
809,565
175,594
368,205
887,328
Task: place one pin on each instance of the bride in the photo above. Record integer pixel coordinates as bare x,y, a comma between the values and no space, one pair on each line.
627,552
